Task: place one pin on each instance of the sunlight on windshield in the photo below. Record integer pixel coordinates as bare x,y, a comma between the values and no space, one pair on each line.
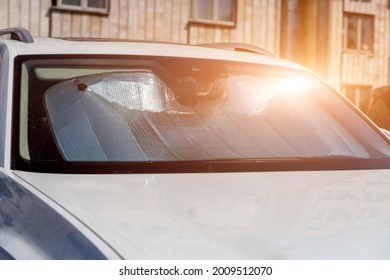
293,85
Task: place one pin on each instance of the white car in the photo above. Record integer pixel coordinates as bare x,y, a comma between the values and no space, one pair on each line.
139,150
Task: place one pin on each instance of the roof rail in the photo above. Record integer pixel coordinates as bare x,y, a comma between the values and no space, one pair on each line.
18,33
241,47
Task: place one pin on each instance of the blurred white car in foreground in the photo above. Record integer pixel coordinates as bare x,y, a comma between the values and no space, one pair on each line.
137,150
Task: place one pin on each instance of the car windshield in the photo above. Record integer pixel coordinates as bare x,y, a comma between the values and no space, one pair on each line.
162,109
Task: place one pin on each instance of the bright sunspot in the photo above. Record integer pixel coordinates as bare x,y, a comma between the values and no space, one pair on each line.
293,85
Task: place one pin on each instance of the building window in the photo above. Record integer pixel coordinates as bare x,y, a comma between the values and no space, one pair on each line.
218,12
358,32
361,96
92,6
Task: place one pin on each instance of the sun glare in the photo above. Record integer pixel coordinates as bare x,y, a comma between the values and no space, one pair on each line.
293,85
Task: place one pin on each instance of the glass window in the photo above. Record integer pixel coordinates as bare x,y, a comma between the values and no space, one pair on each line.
214,11
367,33
352,32
97,3
225,10
94,6
358,32
204,9
72,2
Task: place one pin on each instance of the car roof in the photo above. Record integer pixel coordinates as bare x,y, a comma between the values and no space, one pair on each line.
81,46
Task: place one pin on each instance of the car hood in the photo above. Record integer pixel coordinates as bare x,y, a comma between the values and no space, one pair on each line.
268,215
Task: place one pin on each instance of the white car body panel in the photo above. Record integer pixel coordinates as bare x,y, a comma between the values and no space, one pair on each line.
46,46
316,215
342,214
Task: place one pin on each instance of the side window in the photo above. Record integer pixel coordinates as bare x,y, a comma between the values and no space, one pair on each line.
91,6
216,12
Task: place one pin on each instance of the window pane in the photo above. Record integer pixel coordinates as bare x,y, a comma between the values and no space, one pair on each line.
225,10
352,31
359,95
349,92
204,9
364,98
72,2
367,33
97,4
